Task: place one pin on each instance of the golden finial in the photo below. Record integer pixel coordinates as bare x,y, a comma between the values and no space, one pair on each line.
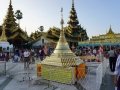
110,27
62,21
72,3
10,2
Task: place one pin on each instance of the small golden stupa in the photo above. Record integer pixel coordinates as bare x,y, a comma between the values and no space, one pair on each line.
3,37
61,65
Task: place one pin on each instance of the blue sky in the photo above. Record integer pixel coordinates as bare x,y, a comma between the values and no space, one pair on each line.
95,16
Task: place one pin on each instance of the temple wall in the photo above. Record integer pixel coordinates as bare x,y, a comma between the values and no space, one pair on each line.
41,41
46,42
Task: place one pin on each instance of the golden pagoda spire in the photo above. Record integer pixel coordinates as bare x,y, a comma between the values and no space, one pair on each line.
110,31
62,21
110,27
3,36
62,62
62,45
62,55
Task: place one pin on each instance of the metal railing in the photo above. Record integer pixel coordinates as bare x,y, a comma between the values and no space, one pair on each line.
3,67
93,77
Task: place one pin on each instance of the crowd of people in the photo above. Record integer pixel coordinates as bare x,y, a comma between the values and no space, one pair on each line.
44,51
25,55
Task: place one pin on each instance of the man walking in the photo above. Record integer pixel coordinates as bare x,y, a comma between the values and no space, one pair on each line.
112,59
26,59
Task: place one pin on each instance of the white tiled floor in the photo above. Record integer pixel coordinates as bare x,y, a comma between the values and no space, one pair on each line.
2,79
17,70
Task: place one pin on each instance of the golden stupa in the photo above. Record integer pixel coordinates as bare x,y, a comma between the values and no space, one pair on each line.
60,66
3,37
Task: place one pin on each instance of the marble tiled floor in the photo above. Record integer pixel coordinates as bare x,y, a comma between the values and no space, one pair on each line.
17,72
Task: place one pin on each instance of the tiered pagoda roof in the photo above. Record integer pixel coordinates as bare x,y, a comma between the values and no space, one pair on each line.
74,29
73,32
12,30
110,31
108,37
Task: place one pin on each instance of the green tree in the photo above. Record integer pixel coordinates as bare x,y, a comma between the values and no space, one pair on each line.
41,28
18,15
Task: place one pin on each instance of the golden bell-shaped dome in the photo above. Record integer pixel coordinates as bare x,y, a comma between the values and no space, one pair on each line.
62,55
62,45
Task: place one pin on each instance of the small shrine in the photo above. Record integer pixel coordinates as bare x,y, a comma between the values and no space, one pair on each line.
4,44
61,66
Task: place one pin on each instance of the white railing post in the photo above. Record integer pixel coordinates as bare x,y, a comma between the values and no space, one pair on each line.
104,70
3,67
99,76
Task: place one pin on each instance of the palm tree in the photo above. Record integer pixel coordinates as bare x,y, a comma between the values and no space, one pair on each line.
18,15
41,28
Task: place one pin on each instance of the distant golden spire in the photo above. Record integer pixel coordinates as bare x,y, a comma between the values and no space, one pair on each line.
110,27
3,36
110,31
